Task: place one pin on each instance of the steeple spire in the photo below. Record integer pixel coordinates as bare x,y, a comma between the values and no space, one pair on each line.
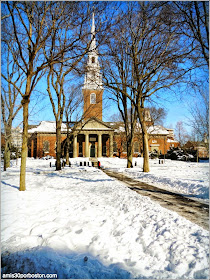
93,35
93,78
93,26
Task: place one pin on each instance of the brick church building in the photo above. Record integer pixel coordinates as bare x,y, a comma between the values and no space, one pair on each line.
93,137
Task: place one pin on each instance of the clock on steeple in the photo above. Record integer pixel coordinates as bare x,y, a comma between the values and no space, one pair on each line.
93,88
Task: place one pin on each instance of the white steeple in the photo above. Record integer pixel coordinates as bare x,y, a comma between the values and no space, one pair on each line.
93,26
93,77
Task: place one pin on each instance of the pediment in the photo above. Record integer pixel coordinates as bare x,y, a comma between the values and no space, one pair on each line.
95,124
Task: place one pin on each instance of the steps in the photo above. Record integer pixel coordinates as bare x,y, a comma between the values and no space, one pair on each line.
94,161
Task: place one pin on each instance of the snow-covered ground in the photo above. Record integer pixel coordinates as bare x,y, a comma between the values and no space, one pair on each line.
187,178
79,223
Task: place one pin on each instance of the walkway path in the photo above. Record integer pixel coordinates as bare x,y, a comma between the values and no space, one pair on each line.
196,212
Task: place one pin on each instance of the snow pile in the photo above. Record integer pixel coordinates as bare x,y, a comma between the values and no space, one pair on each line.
187,178
80,223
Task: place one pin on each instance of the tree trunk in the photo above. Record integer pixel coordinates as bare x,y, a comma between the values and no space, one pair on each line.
6,155
7,146
67,157
145,151
58,148
67,149
145,140
67,141
129,153
25,103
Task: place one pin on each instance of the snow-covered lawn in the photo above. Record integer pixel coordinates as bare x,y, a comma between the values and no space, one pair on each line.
188,178
79,223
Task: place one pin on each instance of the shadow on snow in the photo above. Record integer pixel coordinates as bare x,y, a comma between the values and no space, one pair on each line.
67,265
15,187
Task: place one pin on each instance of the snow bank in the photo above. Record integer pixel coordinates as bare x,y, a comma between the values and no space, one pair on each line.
187,178
79,223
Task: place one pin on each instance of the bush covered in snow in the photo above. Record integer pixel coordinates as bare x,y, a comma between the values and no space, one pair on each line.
179,154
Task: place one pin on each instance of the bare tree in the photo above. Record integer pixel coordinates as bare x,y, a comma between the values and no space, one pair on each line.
72,109
32,24
181,133
76,32
157,56
157,115
199,115
194,25
117,78
10,99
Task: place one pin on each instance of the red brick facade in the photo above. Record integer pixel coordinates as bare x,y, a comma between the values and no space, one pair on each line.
92,110
159,143
37,147
43,143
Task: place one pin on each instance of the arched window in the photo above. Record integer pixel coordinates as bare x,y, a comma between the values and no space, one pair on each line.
93,59
93,98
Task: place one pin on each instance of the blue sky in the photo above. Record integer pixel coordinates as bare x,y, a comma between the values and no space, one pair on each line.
177,109
176,103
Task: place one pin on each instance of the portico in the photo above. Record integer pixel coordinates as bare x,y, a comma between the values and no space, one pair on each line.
93,139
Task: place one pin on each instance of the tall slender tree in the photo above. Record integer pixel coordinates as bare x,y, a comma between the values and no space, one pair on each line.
10,98
157,56
32,24
117,79
73,34
72,109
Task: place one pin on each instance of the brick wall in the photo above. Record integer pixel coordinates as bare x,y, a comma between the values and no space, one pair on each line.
37,145
158,143
92,110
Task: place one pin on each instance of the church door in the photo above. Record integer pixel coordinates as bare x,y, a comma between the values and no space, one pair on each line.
92,149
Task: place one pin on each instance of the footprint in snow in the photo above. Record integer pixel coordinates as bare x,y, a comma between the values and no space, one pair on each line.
79,231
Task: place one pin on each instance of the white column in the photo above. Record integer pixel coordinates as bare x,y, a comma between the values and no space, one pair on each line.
111,145
87,145
99,145
75,146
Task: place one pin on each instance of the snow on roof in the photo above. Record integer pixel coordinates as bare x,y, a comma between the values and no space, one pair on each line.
47,126
95,128
157,129
50,126
154,129
120,129
172,140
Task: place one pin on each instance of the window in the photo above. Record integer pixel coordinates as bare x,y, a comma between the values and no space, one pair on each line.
154,141
136,147
124,146
114,147
92,98
46,146
93,59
